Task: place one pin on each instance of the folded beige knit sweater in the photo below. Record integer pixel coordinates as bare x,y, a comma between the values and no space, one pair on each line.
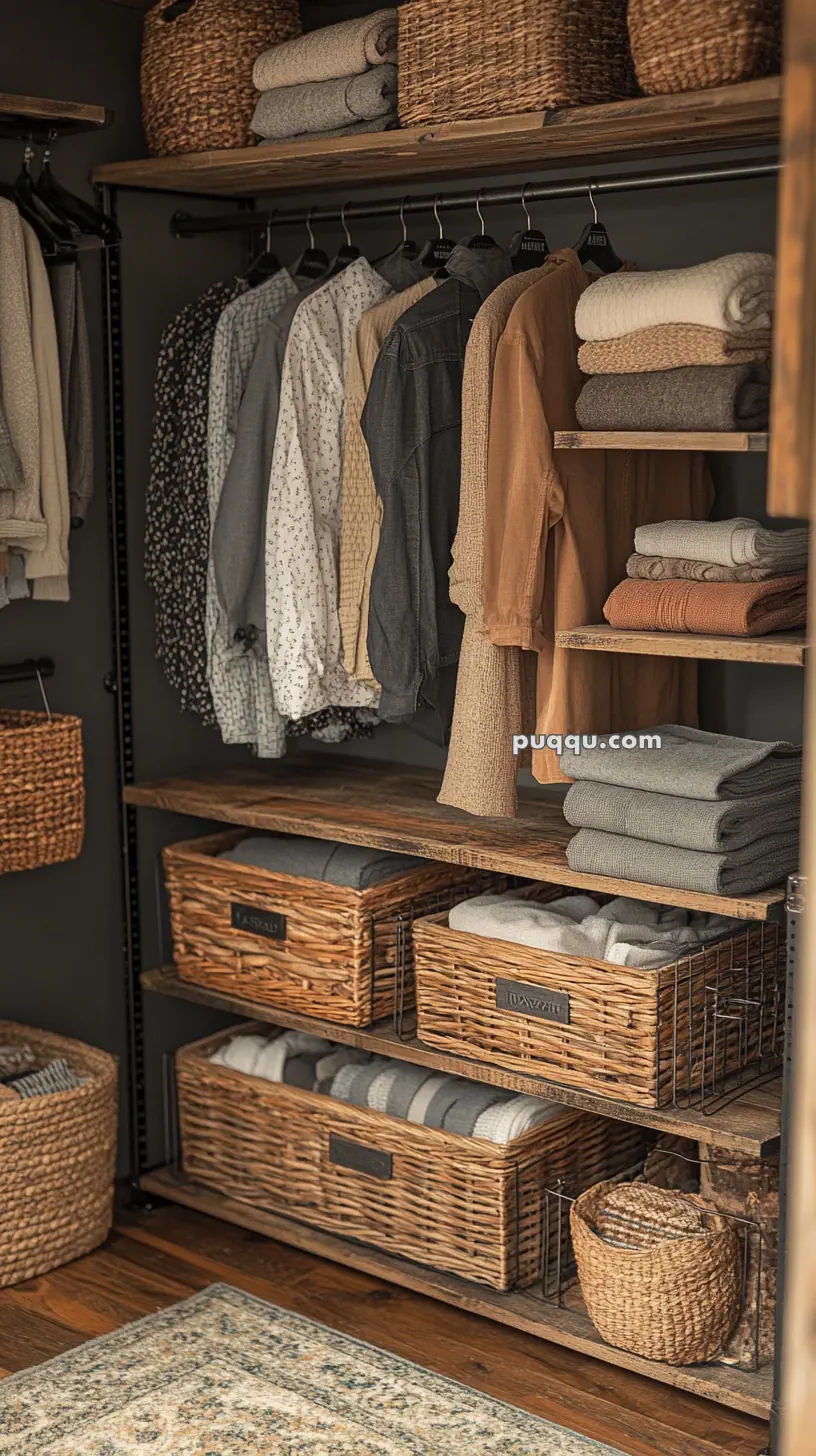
47,566
21,517
346,49
670,346
733,293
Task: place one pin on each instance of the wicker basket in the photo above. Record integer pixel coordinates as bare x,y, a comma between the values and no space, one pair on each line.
690,45
42,790
660,1276
475,58
197,59
648,1037
298,944
460,1204
57,1161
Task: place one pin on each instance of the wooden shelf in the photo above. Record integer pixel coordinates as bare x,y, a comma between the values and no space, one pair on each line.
661,440
749,1123
747,1391
786,649
22,115
392,806
647,126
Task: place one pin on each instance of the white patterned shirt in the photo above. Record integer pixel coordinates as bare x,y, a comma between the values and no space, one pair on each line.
303,516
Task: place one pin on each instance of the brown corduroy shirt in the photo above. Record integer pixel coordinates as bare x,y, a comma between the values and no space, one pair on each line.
560,527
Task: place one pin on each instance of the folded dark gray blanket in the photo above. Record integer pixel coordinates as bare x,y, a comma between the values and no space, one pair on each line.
757,865
354,128
692,764
321,106
719,397
349,865
714,826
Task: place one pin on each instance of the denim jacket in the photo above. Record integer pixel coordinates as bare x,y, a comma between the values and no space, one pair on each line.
412,423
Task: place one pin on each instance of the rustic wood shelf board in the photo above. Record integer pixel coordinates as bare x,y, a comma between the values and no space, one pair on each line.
392,806
647,126
22,115
786,649
739,443
747,1391
749,1123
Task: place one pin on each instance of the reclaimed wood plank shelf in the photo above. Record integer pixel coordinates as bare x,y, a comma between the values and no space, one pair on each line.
21,116
725,116
787,649
738,443
747,1391
748,1124
392,806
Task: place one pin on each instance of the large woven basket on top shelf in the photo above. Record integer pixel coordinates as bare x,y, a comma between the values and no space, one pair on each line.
660,1275
57,1160
42,789
462,1204
197,59
460,59
690,45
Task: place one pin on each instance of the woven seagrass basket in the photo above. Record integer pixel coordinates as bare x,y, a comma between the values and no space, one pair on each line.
660,1275
461,1204
42,789
57,1160
460,59
690,45
197,59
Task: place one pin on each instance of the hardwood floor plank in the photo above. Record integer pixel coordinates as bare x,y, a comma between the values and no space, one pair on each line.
27,1338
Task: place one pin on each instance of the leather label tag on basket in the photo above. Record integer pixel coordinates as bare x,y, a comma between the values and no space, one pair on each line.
529,1000
359,1158
268,923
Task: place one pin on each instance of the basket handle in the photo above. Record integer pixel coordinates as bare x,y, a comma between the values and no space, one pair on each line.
176,9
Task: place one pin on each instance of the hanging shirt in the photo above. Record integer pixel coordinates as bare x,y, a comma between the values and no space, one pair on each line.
412,425
21,517
47,566
77,384
303,628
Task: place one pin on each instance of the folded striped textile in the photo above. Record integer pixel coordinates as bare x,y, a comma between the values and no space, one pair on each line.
320,106
717,608
755,866
695,763
56,1077
734,293
681,568
738,541
671,346
722,398
713,826
346,49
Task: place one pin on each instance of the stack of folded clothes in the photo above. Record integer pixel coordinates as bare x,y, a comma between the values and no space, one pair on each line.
704,812
337,81
683,349
416,1094
724,578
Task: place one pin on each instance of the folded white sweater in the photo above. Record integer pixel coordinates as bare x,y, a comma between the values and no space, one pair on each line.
734,293
735,542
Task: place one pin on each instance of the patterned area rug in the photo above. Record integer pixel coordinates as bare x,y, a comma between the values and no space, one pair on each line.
225,1374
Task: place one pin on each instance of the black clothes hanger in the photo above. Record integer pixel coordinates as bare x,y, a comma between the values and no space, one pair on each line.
313,262
529,249
407,249
266,264
436,251
89,220
347,252
594,246
48,239
482,239
26,198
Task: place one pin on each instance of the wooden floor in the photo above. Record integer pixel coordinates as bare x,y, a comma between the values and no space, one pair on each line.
154,1259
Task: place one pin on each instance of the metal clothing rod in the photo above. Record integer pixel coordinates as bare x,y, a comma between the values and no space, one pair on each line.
29,671
185,225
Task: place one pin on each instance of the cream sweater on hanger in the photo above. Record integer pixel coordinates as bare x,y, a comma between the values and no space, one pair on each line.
21,518
47,566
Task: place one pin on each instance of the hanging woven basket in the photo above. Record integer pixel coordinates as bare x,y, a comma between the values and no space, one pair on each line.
42,790
691,45
197,59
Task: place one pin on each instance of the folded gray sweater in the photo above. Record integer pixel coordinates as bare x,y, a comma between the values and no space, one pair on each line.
354,128
348,865
322,106
692,764
720,397
713,826
755,866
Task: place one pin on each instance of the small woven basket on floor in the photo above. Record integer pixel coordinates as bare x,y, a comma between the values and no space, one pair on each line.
197,59
660,1275
42,789
57,1160
691,45
460,59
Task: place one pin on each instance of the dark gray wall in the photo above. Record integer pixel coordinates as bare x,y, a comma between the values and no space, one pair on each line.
60,958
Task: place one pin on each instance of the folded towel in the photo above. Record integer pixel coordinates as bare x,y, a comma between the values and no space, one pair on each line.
301,1071
418,1110
682,568
329,1065
509,1120
671,346
709,825
440,1105
380,1087
735,542
354,128
712,397
359,1084
755,866
272,1058
719,608
693,764
241,1053
348,865
733,293
462,1117
345,49
320,106
407,1083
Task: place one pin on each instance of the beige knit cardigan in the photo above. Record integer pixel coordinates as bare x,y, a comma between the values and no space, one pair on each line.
21,517
47,566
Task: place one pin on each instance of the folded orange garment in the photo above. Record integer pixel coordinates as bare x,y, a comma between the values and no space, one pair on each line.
721,608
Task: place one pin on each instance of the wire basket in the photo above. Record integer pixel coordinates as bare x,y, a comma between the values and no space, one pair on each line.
42,789
691,45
